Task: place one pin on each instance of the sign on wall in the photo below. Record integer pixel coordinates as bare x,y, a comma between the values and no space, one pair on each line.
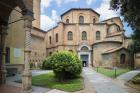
17,52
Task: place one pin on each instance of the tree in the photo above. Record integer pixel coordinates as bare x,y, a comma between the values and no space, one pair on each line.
65,65
134,47
130,10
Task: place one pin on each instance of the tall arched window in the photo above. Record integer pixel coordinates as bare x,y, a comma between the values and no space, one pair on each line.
84,35
98,35
122,59
56,37
70,35
50,53
81,19
50,39
67,20
94,20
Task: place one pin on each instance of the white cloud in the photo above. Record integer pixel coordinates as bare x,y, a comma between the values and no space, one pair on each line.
45,4
89,2
46,22
67,1
55,17
104,11
59,2
49,22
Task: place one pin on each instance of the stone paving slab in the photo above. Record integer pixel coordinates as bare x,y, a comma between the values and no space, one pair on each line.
129,75
56,91
100,83
35,89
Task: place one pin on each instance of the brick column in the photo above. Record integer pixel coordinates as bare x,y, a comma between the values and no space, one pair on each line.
3,34
26,76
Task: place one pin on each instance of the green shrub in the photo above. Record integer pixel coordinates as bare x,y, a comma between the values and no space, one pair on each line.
65,65
31,65
47,64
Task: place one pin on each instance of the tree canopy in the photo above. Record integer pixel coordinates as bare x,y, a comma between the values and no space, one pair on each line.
130,10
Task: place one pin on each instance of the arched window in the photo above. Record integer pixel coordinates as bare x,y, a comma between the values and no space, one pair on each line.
81,19
94,20
84,35
70,35
56,37
67,20
98,35
50,39
50,53
122,59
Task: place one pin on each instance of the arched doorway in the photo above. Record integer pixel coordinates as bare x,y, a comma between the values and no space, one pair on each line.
84,53
122,59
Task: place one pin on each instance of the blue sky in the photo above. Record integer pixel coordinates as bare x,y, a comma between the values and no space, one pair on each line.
52,9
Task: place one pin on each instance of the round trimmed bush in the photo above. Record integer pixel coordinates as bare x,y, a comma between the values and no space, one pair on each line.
47,64
65,65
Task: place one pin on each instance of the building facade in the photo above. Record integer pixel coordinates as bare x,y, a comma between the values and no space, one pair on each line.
15,40
97,43
38,53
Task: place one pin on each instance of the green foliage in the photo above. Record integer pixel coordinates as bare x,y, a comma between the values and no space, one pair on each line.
31,65
129,10
47,64
136,79
65,65
111,72
134,47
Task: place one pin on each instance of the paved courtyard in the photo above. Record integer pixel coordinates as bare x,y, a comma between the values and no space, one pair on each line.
100,83
14,87
129,75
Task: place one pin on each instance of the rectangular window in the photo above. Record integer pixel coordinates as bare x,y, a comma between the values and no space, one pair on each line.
50,39
7,55
56,37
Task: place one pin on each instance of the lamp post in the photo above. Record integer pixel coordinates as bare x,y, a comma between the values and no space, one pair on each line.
115,68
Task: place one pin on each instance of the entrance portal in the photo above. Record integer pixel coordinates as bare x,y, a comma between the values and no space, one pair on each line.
84,59
84,53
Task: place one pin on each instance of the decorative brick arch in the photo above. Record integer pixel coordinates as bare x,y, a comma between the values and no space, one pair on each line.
82,45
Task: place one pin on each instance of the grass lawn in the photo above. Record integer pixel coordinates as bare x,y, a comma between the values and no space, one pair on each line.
111,72
136,79
48,80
